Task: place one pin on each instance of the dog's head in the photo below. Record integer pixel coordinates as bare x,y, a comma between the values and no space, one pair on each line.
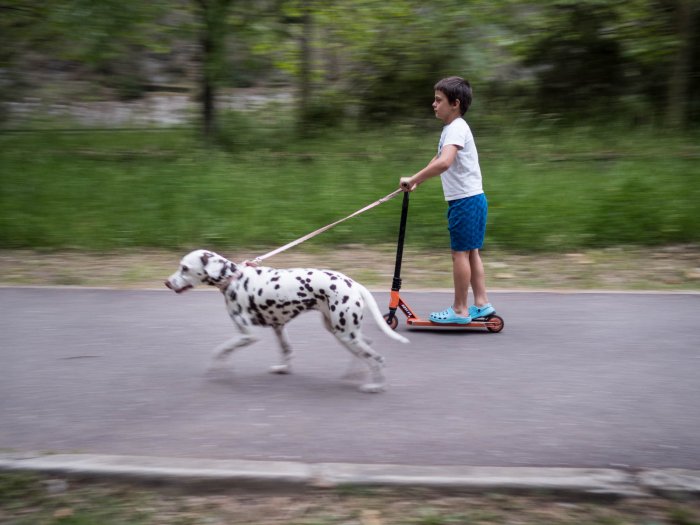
200,267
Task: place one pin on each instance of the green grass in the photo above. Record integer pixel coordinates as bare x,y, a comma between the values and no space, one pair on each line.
548,189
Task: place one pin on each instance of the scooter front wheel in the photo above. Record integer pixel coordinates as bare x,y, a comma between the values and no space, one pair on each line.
394,321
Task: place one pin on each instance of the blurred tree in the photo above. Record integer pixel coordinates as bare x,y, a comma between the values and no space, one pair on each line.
594,53
213,17
106,40
679,79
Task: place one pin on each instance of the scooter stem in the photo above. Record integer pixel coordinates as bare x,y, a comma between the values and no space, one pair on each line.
396,283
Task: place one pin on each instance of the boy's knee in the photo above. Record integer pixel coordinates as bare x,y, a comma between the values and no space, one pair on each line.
458,255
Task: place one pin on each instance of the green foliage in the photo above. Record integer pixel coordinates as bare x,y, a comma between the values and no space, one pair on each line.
683,516
16,486
378,59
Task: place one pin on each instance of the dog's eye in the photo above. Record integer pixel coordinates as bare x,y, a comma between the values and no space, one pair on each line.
185,269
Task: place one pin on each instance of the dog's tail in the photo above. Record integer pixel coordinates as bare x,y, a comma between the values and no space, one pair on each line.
371,305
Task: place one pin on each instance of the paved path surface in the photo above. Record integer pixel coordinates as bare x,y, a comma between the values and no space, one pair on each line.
590,380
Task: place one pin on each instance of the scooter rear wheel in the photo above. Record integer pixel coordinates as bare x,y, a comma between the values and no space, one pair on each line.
495,324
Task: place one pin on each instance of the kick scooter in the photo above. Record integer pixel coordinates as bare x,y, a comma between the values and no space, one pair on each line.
492,323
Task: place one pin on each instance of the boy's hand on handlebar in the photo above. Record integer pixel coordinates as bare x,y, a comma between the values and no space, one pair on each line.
407,184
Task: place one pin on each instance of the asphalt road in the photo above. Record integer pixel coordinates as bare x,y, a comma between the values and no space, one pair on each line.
574,380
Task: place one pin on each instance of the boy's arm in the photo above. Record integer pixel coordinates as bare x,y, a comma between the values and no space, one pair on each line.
435,167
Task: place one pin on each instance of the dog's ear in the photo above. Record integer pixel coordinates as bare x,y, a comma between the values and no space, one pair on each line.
217,268
205,258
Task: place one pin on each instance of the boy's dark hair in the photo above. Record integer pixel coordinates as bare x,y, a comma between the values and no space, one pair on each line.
456,88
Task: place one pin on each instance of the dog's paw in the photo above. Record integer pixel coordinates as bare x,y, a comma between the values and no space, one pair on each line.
354,373
219,375
281,369
372,388
215,365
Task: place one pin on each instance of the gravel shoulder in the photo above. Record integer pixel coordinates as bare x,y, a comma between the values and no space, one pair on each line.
670,268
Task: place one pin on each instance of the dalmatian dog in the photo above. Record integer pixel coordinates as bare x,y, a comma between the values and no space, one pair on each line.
262,296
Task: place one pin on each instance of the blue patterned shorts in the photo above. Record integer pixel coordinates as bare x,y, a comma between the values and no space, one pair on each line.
466,220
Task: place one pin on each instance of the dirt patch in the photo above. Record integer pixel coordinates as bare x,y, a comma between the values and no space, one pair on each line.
628,268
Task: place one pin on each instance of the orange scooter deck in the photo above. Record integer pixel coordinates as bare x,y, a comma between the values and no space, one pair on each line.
493,323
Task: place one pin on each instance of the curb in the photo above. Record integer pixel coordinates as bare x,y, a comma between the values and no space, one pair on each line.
215,473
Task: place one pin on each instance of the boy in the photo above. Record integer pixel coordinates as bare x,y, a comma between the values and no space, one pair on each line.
457,163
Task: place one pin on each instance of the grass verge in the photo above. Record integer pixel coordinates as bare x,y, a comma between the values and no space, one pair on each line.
29,499
549,190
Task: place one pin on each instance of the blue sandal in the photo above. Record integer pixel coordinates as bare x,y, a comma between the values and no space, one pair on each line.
481,311
449,316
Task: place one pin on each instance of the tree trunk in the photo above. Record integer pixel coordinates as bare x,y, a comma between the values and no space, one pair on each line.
305,65
678,82
213,32
208,91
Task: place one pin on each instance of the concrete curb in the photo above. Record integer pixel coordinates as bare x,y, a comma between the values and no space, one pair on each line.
215,473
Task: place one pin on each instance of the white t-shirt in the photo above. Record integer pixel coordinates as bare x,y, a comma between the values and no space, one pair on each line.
463,178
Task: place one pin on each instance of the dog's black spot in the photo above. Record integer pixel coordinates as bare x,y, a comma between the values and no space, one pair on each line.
245,283
342,320
301,294
252,305
346,298
270,302
260,292
332,308
348,282
277,287
357,303
275,278
355,319
334,287
258,271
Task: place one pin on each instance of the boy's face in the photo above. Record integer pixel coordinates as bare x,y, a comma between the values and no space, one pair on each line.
443,109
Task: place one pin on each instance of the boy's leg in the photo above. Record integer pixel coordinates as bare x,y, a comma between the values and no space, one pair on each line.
462,275
478,278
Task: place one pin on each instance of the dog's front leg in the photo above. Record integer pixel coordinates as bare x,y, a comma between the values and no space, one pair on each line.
285,366
224,349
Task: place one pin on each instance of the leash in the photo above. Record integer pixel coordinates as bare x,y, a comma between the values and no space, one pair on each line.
393,194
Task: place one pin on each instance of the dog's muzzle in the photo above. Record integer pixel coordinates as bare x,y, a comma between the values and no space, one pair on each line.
177,290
